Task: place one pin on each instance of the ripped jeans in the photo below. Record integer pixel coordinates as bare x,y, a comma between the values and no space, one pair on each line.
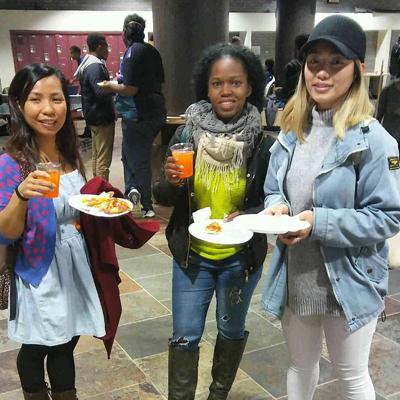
192,292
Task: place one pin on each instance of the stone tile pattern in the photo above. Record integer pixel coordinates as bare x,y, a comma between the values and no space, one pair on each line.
138,365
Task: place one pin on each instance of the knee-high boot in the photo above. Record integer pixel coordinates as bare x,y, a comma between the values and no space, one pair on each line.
227,356
67,395
42,395
182,373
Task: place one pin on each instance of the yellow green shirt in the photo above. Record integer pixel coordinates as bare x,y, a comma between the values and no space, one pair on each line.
225,196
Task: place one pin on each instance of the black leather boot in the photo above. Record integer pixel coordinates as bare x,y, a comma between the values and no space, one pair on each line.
227,356
182,373
67,395
42,395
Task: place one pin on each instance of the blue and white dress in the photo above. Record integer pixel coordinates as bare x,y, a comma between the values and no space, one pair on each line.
66,303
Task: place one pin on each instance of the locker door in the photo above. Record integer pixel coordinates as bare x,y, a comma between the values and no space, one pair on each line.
49,50
35,46
19,42
113,55
63,58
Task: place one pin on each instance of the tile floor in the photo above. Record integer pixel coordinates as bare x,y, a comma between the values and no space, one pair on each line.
138,366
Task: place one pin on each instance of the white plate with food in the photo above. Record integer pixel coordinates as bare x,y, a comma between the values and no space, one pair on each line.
219,232
102,205
270,224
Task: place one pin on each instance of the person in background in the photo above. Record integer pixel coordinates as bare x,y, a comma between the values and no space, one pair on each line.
394,62
231,154
143,76
291,71
151,39
56,299
75,53
126,108
236,41
269,70
97,103
388,112
337,168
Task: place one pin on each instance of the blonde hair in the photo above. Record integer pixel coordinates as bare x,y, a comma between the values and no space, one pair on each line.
354,109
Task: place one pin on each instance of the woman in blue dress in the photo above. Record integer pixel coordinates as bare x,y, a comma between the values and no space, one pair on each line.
56,299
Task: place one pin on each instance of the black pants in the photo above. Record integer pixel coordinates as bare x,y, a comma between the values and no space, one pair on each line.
60,366
137,142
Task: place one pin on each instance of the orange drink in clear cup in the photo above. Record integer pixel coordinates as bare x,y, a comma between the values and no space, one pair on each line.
53,169
183,154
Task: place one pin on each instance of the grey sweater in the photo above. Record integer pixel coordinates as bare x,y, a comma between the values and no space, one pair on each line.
309,289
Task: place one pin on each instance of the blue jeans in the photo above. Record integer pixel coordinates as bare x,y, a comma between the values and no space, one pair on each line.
193,289
137,141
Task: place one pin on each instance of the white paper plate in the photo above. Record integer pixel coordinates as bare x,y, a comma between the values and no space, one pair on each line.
270,224
76,202
102,82
231,233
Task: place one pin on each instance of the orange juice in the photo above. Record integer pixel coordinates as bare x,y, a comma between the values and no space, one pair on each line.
184,158
55,179
53,169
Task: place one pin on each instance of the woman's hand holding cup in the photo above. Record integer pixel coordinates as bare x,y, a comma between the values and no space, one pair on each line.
173,171
36,184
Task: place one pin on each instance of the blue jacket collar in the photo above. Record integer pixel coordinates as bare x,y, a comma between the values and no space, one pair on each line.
354,141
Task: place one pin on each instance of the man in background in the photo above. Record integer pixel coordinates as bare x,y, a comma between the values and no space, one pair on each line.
388,113
394,63
236,41
97,104
143,75
292,70
75,53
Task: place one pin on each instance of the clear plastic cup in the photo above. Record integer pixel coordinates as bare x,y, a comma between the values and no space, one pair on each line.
53,169
183,154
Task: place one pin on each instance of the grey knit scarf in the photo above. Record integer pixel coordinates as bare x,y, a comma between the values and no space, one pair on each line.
200,119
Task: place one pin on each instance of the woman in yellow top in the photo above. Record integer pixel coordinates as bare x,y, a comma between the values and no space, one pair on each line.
231,161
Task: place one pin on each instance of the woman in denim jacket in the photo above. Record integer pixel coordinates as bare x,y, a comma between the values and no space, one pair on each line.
336,168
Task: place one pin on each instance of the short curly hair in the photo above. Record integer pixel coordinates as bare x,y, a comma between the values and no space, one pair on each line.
250,62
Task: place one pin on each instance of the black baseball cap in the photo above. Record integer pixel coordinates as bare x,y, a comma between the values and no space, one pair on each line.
343,32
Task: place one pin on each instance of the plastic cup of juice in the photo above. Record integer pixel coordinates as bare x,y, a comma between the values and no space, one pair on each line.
183,154
53,169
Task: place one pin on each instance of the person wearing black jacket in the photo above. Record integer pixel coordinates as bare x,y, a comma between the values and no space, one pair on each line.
97,104
231,154
143,76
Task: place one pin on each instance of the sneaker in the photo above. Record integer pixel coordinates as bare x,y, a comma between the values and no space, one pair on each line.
148,214
134,197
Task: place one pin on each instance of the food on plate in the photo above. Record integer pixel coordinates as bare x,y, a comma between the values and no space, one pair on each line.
214,227
106,203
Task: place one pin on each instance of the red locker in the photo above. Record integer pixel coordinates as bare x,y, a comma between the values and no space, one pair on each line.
49,50
53,48
63,58
19,43
35,48
113,55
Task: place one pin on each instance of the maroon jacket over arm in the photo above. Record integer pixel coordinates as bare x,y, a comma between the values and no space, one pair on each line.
101,234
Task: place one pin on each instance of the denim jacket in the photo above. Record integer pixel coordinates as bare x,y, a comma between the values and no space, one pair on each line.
356,207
